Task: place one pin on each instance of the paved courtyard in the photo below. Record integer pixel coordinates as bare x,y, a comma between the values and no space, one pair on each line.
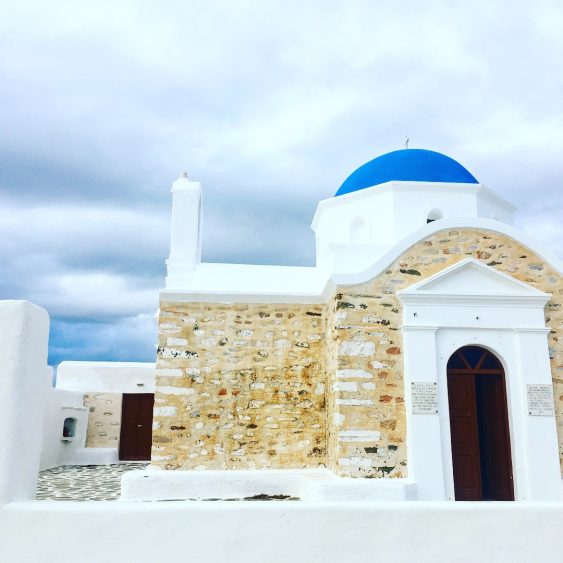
83,482
101,482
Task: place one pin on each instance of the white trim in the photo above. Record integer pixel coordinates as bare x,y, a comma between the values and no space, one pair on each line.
476,299
106,377
541,330
447,224
526,292
404,186
409,328
323,284
265,297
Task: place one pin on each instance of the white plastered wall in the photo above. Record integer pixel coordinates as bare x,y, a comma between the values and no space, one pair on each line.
24,381
58,449
390,212
278,532
106,377
95,378
508,321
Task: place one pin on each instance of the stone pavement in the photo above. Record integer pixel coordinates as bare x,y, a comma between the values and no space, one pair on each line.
83,482
103,482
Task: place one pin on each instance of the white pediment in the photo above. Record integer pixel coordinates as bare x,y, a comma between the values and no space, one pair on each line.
471,278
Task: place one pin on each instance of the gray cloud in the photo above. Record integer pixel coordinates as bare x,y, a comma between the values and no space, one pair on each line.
271,105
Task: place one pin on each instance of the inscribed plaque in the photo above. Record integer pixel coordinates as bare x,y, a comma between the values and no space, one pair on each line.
424,397
540,399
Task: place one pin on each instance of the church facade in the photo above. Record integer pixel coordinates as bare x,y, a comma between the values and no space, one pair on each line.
421,354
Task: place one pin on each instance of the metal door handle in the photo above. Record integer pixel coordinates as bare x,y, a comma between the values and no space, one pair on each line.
139,425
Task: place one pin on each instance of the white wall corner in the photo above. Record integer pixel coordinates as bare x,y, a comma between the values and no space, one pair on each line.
24,383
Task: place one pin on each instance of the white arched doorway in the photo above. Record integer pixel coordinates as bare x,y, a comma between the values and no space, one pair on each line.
479,428
473,305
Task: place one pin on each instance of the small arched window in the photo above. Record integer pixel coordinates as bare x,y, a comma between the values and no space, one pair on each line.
434,215
359,230
69,428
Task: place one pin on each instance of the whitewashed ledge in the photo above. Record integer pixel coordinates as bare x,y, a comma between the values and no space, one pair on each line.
306,485
278,532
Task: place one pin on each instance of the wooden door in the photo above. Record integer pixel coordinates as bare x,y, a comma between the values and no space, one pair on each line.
136,427
465,437
494,438
480,438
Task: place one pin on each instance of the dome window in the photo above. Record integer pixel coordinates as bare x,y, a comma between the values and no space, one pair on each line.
434,215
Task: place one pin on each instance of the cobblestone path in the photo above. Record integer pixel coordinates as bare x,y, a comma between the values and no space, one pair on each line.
83,482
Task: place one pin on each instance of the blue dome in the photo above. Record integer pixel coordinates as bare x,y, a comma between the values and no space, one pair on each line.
407,165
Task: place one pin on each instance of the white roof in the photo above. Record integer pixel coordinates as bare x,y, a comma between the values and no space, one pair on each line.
242,283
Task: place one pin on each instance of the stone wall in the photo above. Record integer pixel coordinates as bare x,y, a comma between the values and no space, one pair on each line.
245,385
333,416
104,419
369,413
240,386
369,409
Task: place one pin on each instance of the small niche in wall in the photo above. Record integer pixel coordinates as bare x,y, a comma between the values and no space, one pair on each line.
69,428
434,215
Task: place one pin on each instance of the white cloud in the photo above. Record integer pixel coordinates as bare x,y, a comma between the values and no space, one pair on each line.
271,105
93,295
82,261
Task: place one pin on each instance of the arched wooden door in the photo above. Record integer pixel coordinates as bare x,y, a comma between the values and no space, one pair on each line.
482,462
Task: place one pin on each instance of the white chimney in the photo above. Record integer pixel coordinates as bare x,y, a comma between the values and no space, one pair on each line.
185,239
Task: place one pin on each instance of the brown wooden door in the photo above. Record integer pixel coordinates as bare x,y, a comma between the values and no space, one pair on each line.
496,463
465,437
136,427
482,463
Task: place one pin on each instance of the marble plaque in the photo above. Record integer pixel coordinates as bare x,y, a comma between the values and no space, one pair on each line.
540,399
424,397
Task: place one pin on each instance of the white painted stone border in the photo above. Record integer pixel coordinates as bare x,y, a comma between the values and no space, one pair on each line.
320,485
318,286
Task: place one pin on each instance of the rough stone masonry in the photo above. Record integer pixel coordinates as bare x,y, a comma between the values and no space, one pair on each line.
294,386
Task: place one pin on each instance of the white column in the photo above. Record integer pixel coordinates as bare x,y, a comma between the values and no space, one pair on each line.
185,238
24,331
541,467
424,448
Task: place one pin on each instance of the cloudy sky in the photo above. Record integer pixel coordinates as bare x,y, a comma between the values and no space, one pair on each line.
270,105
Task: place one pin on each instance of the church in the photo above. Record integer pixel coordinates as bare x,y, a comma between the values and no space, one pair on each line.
420,358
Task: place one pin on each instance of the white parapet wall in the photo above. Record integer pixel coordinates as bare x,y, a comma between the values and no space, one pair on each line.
280,532
106,377
302,484
24,382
